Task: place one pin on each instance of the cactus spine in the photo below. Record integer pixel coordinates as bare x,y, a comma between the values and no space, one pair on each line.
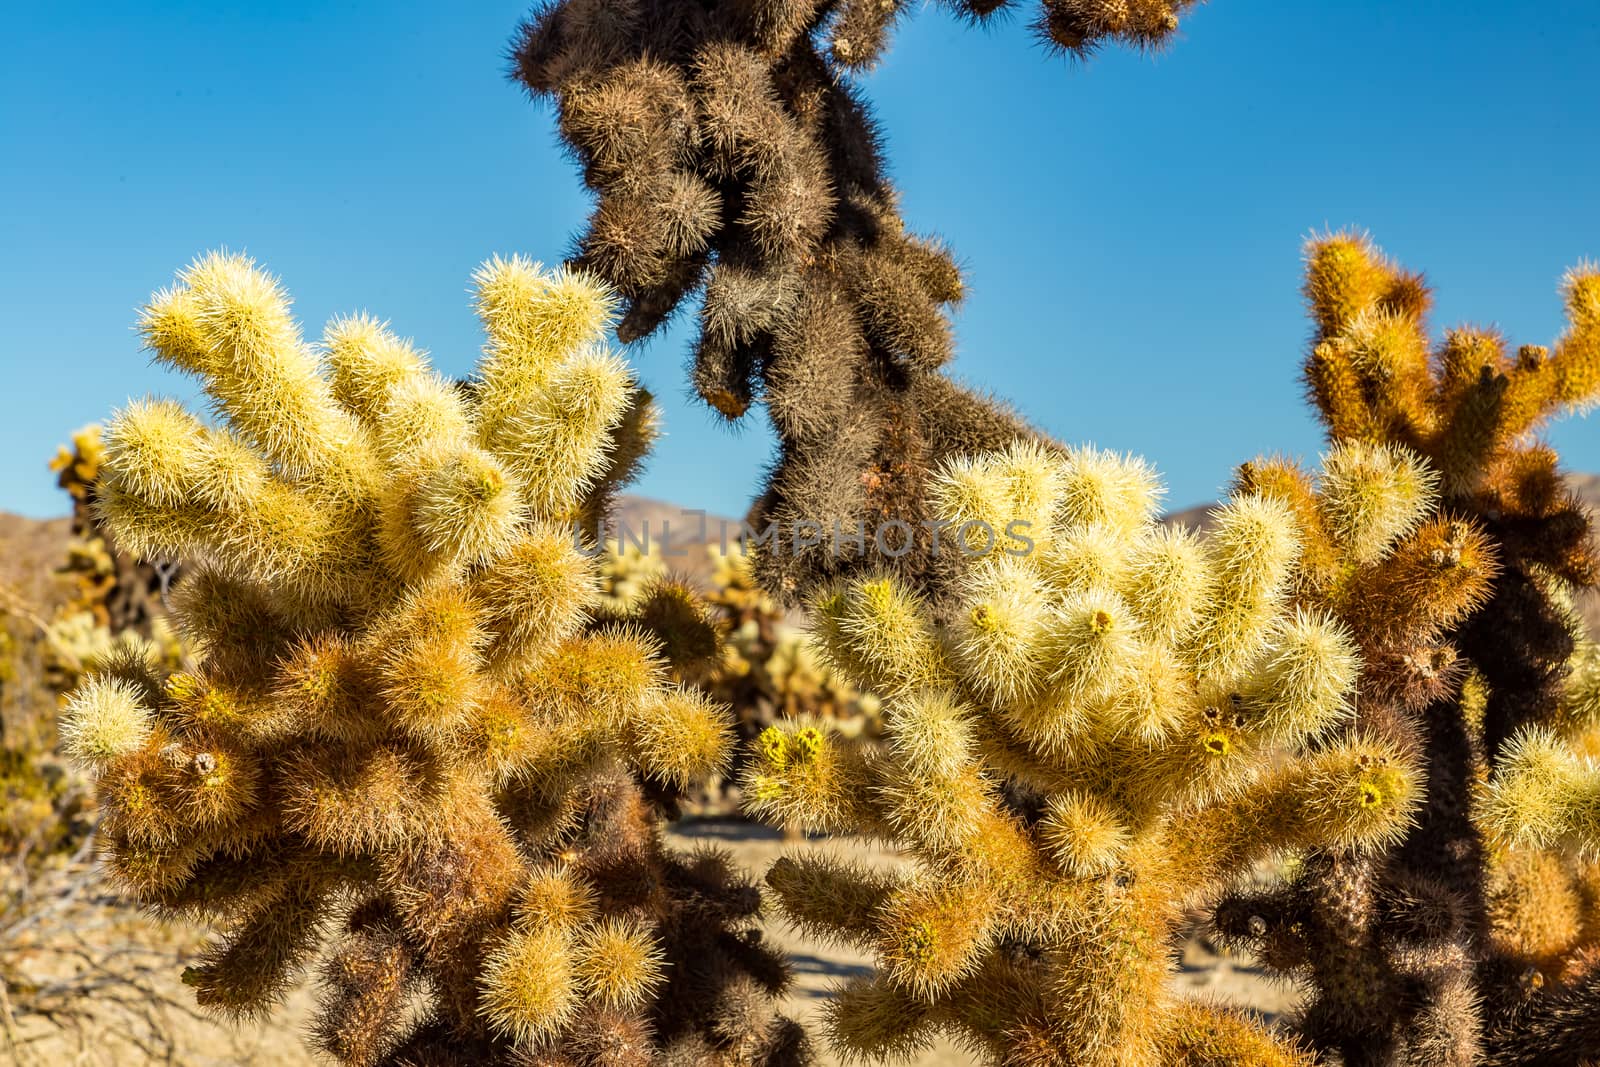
733,155
1455,949
1133,684
405,740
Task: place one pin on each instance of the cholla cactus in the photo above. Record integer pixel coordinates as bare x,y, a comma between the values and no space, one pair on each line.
1546,789
1434,956
75,643
1541,817
1161,700
733,156
122,593
772,669
626,573
403,739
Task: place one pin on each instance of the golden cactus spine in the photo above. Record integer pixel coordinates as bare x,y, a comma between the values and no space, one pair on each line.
405,739
1452,950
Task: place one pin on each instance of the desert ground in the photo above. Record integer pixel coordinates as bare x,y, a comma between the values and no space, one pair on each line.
169,1033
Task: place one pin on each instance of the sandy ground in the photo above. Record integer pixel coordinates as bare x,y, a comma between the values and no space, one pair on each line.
276,1042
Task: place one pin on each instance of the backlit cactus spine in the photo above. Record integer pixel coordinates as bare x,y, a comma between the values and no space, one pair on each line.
1155,695
404,736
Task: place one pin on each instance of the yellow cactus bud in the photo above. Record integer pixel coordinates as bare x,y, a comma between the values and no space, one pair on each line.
618,962
556,446
773,748
425,419
105,718
1577,358
808,743
540,315
1580,704
874,1019
1372,495
1032,480
1359,795
529,989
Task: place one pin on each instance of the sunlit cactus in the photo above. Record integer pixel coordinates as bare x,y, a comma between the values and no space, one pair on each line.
627,570
114,600
406,744
1166,715
772,670
733,156
121,592
1451,950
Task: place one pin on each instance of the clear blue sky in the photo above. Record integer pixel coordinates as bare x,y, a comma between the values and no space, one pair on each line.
1131,228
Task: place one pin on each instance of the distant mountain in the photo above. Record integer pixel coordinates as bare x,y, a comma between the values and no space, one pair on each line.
682,536
30,551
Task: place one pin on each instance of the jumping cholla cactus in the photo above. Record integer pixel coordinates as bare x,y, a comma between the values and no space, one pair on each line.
114,605
1160,701
772,669
120,592
732,154
1547,789
626,574
405,738
1451,951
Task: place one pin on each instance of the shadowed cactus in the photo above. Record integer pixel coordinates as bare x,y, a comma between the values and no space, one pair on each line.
733,156
405,741
1159,714
1451,950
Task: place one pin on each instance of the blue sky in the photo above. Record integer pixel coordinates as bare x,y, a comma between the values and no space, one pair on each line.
1131,228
